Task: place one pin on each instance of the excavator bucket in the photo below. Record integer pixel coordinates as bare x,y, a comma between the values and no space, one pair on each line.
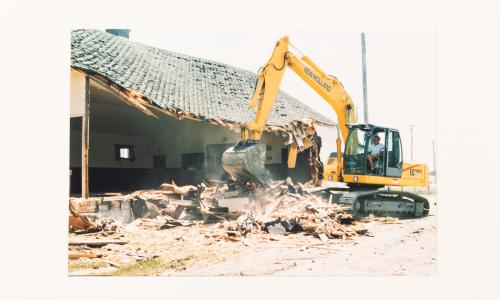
245,162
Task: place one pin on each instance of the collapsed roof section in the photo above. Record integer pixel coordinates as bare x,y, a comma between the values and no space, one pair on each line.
179,85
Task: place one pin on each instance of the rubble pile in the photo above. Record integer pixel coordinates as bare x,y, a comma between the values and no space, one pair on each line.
292,213
283,208
118,229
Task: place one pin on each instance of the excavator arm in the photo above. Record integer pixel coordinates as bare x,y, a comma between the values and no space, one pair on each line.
235,160
269,80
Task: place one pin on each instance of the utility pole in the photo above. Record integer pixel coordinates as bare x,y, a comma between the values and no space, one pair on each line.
365,88
411,140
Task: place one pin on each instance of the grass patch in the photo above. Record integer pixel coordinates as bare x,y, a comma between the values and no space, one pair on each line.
86,265
151,266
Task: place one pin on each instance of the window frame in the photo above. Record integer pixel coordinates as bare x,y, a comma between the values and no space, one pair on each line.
362,166
394,171
131,152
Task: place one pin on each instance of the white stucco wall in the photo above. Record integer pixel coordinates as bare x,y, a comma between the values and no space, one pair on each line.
172,140
77,93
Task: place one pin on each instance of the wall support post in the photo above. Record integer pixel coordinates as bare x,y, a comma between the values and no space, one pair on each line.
85,140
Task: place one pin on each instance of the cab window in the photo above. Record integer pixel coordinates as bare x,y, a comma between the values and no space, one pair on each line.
354,156
376,150
394,154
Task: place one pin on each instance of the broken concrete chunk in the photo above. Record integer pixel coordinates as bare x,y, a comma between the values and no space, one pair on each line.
291,225
213,219
275,227
187,213
239,204
223,210
229,194
323,237
153,210
174,223
291,187
139,207
245,222
169,210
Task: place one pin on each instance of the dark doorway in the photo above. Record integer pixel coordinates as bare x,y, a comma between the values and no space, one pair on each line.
193,170
193,161
159,162
302,171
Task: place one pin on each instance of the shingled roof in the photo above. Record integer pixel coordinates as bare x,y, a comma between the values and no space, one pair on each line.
176,81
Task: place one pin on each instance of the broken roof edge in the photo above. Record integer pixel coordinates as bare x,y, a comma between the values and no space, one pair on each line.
142,103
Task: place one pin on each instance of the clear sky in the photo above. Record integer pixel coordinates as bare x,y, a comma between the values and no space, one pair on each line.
401,68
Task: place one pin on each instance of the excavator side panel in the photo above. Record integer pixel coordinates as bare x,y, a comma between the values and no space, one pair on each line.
330,170
414,174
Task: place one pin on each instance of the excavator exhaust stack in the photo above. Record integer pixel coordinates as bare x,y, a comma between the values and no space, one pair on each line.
245,162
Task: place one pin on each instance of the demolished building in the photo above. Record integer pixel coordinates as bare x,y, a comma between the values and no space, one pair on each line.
157,116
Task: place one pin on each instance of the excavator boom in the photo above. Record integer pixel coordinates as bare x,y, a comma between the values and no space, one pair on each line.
245,161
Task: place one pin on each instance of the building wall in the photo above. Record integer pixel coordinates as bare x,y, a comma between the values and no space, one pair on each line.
102,150
77,93
178,138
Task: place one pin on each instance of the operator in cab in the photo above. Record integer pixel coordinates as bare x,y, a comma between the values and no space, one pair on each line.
375,151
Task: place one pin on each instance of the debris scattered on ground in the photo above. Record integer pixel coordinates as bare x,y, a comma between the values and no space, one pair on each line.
275,227
272,213
174,189
79,222
418,231
381,220
278,212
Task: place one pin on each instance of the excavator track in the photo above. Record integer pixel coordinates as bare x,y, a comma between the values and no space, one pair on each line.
385,203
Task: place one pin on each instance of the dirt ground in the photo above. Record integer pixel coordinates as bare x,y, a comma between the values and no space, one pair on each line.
406,247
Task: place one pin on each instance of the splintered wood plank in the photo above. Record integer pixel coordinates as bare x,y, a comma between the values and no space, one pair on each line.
77,255
96,243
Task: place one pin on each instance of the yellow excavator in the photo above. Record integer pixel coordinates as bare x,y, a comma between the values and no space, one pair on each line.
372,158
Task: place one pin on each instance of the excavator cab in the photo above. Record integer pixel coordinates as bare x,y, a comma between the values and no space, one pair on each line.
373,151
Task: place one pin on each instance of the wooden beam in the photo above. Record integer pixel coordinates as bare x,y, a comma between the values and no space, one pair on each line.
77,255
96,243
129,97
85,140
